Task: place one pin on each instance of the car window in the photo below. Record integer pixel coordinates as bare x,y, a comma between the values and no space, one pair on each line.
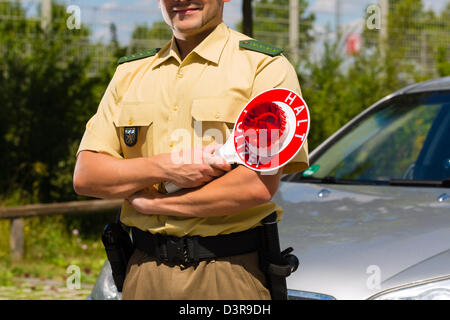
406,139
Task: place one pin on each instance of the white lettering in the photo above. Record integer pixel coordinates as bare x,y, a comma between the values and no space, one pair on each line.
290,97
298,110
73,281
226,309
196,310
374,280
74,21
238,127
374,20
214,134
183,138
238,137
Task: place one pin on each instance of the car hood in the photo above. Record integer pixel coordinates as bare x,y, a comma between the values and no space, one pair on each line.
354,241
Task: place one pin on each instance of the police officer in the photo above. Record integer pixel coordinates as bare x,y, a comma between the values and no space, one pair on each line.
175,103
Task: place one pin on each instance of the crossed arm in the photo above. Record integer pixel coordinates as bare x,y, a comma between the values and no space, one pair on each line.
228,191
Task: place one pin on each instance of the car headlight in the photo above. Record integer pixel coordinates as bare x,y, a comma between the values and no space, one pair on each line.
435,289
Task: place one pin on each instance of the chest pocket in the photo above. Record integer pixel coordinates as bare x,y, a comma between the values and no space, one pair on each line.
134,126
214,118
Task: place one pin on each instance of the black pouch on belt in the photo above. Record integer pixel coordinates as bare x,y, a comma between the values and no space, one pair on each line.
276,265
118,247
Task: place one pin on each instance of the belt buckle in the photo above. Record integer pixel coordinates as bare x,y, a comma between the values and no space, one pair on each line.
178,250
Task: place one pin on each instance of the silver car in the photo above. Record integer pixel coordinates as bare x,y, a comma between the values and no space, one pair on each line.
370,218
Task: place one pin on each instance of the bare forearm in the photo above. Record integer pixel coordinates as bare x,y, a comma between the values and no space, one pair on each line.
102,176
237,190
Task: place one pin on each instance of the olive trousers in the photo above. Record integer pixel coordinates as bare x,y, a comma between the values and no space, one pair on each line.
231,278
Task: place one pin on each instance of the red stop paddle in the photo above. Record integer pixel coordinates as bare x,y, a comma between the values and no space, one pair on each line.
270,130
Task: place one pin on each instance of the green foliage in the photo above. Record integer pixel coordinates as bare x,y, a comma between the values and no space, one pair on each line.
54,243
6,276
336,92
47,98
321,89
272,24
53,239
145,37
415,39
443,51
275,11
443,65
336,89
4,240
48,94
405,19
117,50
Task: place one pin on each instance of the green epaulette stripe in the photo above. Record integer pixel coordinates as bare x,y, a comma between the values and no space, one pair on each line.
260,47
140,55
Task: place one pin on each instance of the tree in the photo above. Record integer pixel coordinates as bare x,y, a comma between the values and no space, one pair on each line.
47,98
144,37
414,38
116,49
335,92
443,49
271,23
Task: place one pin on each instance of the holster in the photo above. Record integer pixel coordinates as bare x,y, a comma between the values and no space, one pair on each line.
118,247
276,265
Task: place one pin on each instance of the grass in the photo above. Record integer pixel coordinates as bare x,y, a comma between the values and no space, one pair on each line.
41,291
52,244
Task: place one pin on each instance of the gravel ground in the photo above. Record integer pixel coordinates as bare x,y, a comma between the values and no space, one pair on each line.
37,289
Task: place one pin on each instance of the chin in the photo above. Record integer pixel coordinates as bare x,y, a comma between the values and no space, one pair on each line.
188,27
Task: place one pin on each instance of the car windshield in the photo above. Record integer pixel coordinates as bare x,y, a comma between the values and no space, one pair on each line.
408,138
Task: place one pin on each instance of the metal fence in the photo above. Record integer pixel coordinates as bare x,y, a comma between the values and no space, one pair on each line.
419,32
106,24
416,32
420,36
17,215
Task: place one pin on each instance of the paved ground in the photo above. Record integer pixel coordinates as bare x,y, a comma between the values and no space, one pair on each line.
36,289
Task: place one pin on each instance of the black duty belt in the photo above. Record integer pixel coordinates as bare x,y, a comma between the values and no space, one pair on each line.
190,250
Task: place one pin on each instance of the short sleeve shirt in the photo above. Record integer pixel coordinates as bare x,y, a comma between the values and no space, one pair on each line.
178,104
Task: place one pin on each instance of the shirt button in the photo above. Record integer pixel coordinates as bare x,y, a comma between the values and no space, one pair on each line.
175,108
171,145
180,74
217,115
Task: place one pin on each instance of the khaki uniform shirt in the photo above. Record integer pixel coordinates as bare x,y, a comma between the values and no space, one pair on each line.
180,104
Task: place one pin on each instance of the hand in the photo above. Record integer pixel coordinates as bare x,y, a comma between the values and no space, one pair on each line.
142,200
195,167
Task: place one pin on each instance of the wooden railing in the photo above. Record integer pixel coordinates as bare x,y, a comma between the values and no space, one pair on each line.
17,215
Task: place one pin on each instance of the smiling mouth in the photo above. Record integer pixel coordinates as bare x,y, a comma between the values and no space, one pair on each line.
185,10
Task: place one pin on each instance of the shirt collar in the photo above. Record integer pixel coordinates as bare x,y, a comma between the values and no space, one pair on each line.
170,50
210,48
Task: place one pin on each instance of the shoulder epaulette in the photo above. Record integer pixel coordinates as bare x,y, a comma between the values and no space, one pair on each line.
260,47
140,55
